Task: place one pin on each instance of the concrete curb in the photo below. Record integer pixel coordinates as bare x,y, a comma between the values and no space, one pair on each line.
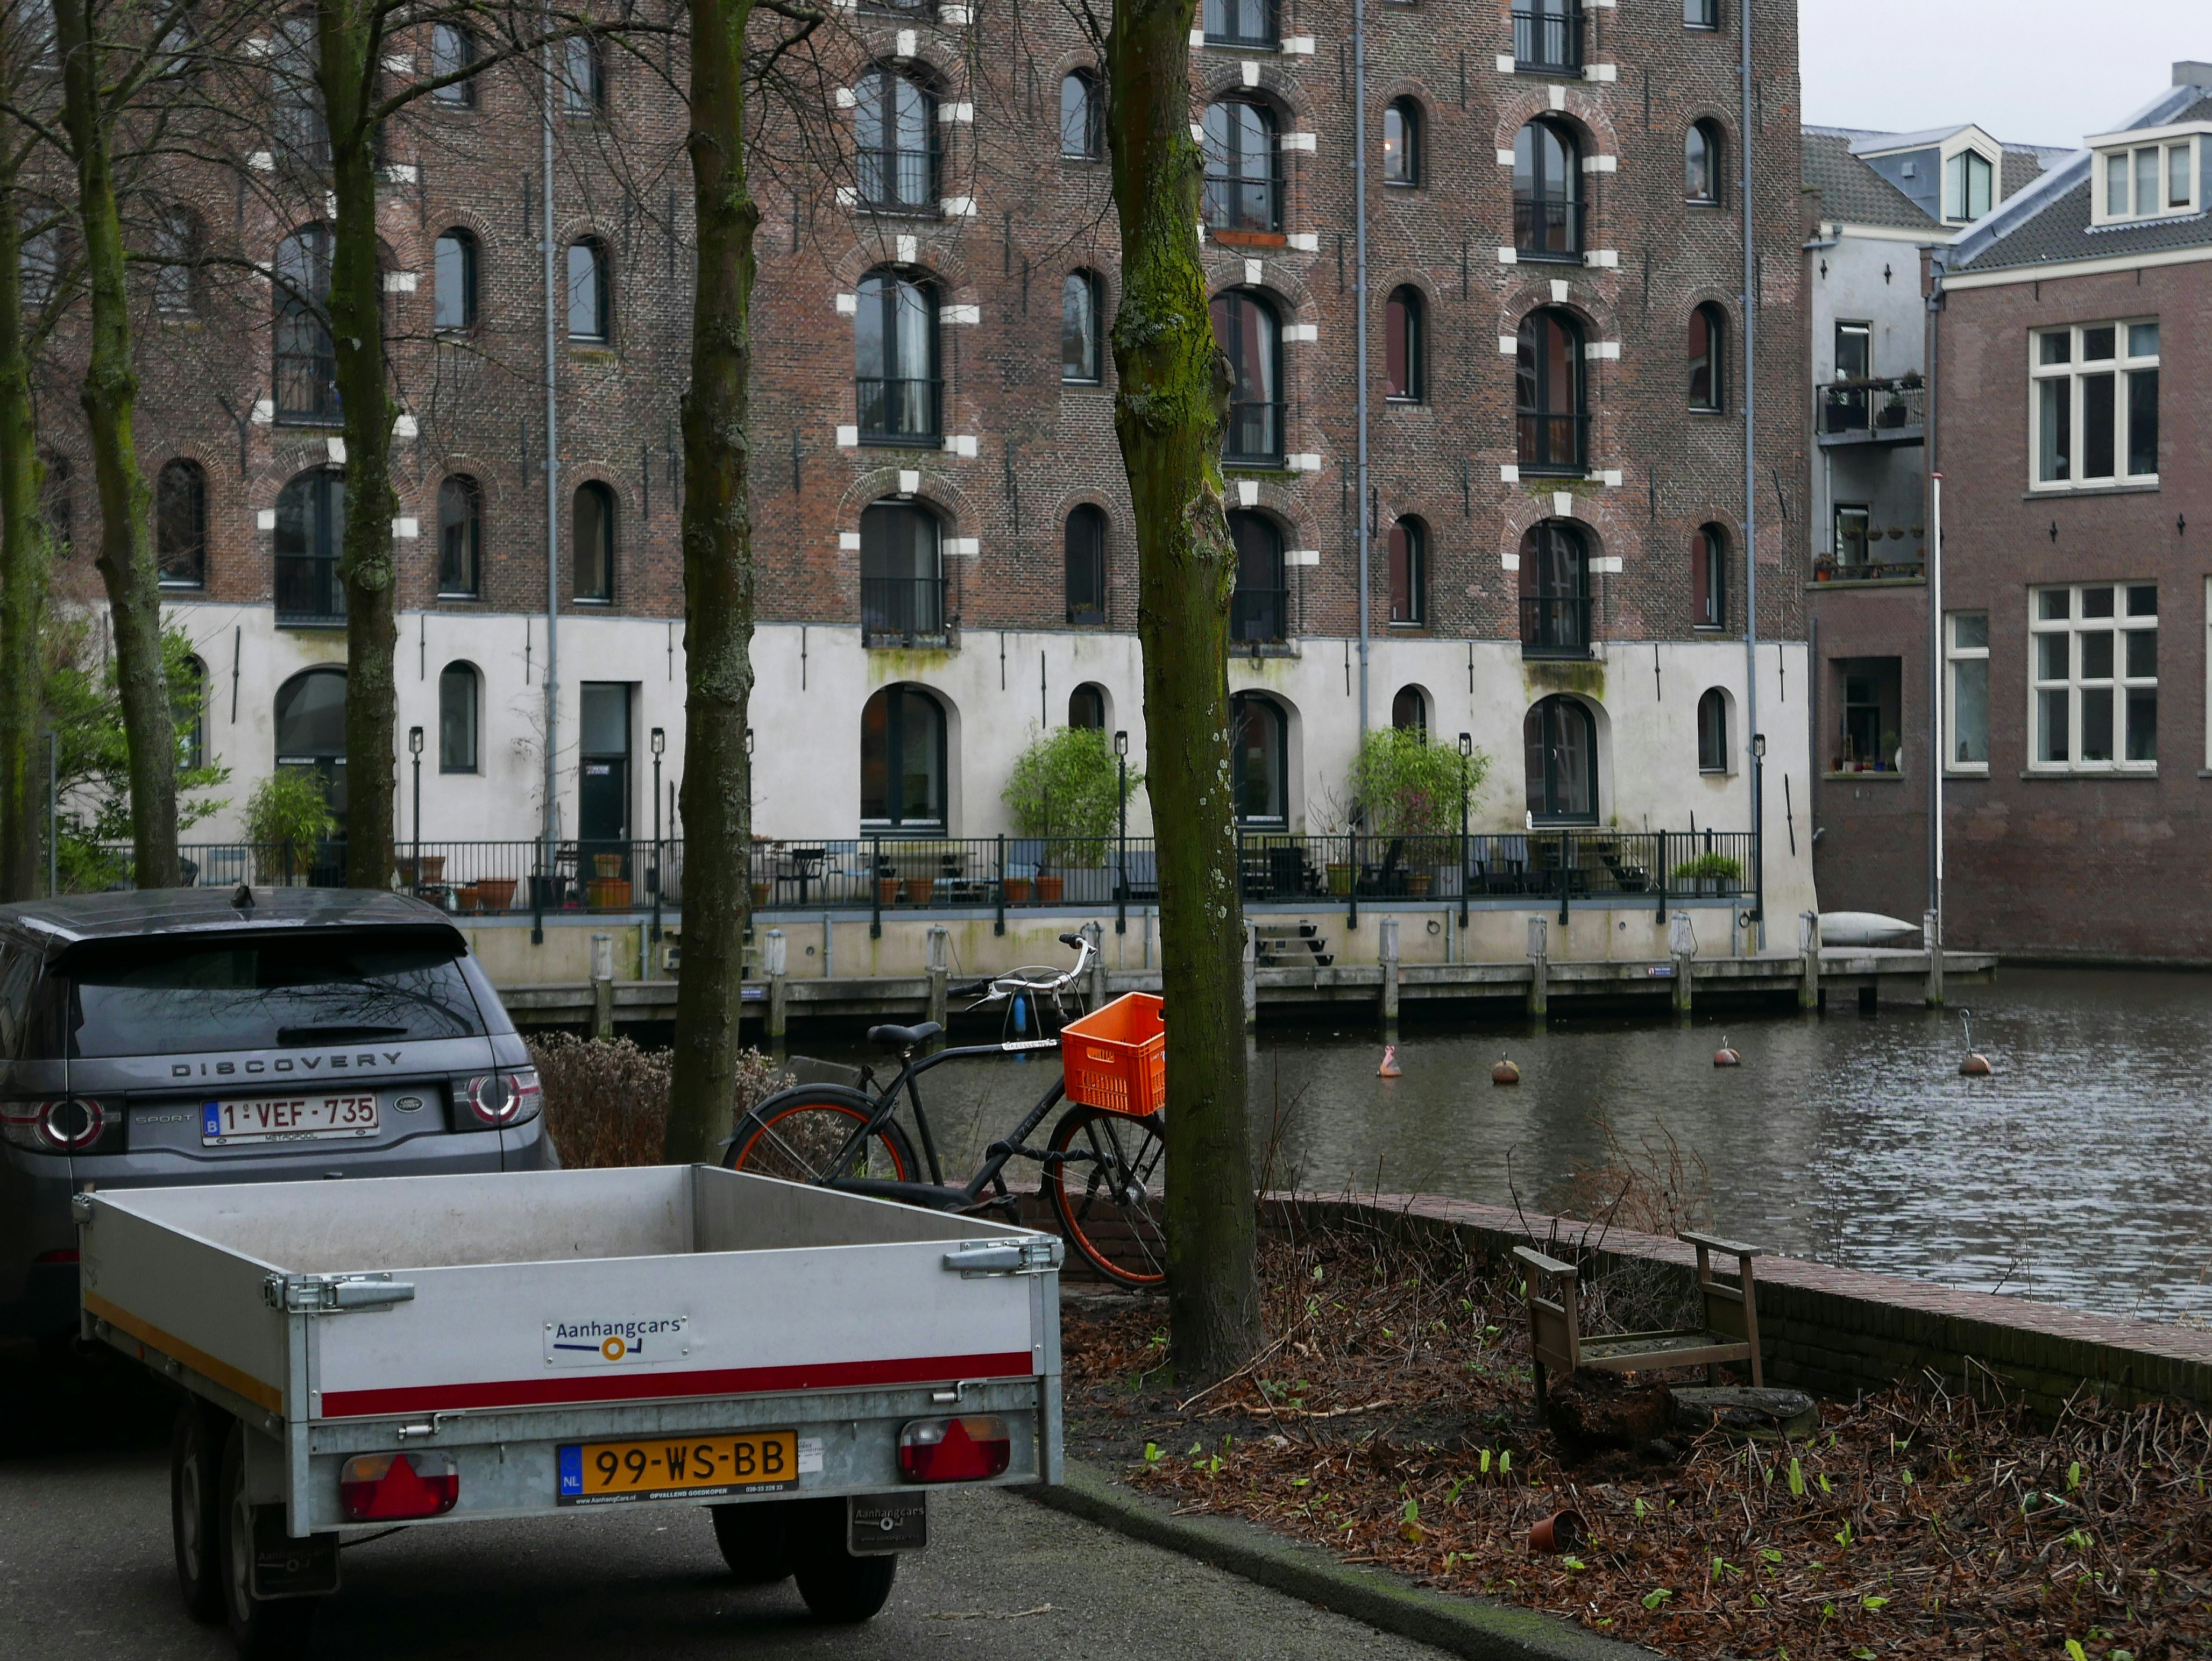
1477,1627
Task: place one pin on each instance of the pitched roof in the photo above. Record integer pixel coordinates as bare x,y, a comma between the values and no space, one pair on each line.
1850,190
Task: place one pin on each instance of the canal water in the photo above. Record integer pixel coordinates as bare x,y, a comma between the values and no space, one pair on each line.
2081,1173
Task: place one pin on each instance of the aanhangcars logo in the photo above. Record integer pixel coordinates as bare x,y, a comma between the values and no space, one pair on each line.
599,1342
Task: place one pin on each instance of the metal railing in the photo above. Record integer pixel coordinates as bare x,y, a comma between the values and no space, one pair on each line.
899,178
1545,227
463,877
895,410
308,592
1551,442
1259,616
1252,435
1873,409
1243,201
306,388
904,611
1555,626
1546,39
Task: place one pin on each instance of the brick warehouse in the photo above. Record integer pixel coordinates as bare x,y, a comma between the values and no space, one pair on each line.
1557,429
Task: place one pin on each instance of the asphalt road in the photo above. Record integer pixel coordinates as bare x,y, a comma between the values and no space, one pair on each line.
85,1571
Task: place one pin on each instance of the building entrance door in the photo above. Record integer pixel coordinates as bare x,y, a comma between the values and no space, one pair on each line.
603,795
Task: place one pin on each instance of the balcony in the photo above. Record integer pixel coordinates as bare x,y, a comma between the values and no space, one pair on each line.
1246,208
1555,626
309,593
306,388
906,611
1547,40
1547,229
1873,410
899,181
899,412
1553,444
1254,434
1258,616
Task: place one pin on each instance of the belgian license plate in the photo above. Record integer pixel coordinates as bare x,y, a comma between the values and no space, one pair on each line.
685,1468
314,1118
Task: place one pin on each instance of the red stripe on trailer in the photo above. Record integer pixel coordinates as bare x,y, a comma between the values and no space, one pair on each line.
653,1386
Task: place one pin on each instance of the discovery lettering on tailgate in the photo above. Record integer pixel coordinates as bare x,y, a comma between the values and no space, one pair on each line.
641,1339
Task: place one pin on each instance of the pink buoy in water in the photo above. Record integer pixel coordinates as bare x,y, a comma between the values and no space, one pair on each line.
1726,1056
1389,1067
1504,1072
1976,1065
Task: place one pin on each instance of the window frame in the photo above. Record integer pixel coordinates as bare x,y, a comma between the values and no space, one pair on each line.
176,277
1093,334
182,469
1959,181
1232,303
1240,705
1259,611
1709,314
298,315
892,282
1956,657
459,95
1713,752
1405,310
2076,370
469,250
463,487
609,544
603,283
474,714
584,100
1533,414
1091,138
1539,199
1708,598
1269,39
1407,112
1093,557
1228,175
1569,708
1708,21
877,98
2125,166
1708,131
895,696
2122,623
319,509
1408,564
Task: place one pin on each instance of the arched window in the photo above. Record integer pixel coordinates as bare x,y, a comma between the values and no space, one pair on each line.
188,707
57,502
41,268
1547,202
1560,738
1548,386
895,374
180,525
590,296
1712,732
306,366
903,761
452,51
1709,578
1250,336
457,718
894,133
1555,597
460,538
311,518
1405,349
1084,547
1401,142
1409,572
177,246
584,79
1409,711
311,730
1080,360
591,542
1701,163
1082,132
1708,334
1240,22
455,306
1259,611
1259,760
902,575
1243,188
296,124
1086,707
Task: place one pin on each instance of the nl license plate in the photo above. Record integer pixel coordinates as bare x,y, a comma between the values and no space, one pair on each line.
692,1467
288,1118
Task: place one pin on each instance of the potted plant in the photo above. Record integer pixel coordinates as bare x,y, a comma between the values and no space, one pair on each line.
760,895
495,893
287,819
1018,891
1708,873
1417,793
1890,757
1064,790
609,894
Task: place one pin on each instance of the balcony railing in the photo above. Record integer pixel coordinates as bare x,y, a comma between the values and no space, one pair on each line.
1547,41
899,411
1259,616
1547,229
306,388
1555,626
905,611
899,181
1244,202
1550,442
309,593
1873,411
1254,434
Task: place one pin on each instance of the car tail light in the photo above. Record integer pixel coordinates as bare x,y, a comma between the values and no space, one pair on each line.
963,1450
376,1487
68,1124
504,1097
64,1254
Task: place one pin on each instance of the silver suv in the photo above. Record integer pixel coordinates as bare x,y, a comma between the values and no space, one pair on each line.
194,1035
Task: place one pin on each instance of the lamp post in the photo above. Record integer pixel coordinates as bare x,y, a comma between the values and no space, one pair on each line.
414,750
1759,829
1466,754
659,742
1121,859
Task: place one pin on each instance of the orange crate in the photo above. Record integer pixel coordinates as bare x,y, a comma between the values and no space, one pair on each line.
1116,1058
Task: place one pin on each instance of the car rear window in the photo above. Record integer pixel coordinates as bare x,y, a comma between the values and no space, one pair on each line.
151,998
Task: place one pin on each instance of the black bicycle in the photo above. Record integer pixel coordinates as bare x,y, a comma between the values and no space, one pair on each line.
1103,1170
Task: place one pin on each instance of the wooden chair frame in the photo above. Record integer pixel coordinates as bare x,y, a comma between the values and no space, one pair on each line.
1730,1332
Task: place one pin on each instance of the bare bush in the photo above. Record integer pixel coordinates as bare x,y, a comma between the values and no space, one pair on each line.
606,1103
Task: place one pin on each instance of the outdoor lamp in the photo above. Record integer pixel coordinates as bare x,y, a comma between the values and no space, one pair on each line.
1466,745
1758,745
661,740
749,740
414,741
1121,743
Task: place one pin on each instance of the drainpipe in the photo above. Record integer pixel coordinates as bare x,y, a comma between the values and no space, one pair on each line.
1364,536
1935,688
1751,497
551,829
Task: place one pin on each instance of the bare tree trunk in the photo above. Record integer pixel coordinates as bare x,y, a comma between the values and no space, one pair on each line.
348,39
110,396
718,593
1168,412
23,555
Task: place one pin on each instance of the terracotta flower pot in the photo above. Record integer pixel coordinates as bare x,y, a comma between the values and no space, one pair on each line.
1018,891
606,864
917,891
887,890
1048,890
1562,1532
609,894
498,893
760,895
470,896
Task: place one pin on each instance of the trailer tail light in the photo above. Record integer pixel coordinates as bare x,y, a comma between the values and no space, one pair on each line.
968,1449
378,1488
504,1098
68,1125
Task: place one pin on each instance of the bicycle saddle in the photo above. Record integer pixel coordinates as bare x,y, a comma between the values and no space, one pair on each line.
904,1038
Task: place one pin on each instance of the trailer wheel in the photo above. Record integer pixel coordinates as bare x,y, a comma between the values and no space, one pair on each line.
264,1629
841,1589
755,1541
196,1505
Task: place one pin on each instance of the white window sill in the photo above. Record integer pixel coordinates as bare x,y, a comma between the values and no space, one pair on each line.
2139,484
2136,770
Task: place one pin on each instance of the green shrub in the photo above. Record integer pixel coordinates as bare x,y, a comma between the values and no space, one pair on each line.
1066,784
287,817
1408,786
1709,865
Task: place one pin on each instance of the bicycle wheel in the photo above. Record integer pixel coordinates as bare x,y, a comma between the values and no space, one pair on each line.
1108,1192
798,1137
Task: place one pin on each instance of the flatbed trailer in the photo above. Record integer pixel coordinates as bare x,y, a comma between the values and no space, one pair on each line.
420,1351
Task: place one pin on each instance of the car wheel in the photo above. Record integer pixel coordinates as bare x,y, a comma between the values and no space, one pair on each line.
264,1629
755,1540
194,1506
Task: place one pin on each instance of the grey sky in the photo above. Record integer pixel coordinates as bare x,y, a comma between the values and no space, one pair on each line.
2029,71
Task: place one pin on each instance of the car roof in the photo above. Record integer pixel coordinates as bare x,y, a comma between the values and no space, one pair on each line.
136,914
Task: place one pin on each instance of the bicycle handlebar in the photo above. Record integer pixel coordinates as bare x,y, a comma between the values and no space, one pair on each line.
1002,986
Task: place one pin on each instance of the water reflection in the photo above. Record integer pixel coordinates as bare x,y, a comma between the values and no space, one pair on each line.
2081,1173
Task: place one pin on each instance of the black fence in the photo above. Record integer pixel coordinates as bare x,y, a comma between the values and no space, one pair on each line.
1550,441
1555,626
1242,200
905,611
1259,616
1873,410
308,591
898,410
1547,228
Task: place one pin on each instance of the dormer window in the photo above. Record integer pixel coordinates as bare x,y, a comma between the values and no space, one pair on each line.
2146,181
1967,180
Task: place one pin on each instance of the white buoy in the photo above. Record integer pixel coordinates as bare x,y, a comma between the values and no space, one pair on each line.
1389,1067
1976,1065
1725,1056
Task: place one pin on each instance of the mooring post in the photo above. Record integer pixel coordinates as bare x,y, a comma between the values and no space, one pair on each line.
1097,989
1389,965
1251,976
776,964
1682,950
939,975
1808,950
602,986
1931,932
1539,968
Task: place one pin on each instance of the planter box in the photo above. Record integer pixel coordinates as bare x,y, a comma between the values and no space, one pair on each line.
917,890
609,894
1018,891
1340,879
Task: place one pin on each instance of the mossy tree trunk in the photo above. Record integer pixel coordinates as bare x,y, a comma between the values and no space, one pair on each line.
110,396
1168,412
23,557
718,593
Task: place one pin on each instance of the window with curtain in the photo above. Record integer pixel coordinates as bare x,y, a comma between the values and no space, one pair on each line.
1245,326
1967,690
896,387
1084,548
1708,335
1708,578
591,542
455,276
1701,164
895,134
1409,572
1551,418
452,51
457,718
1081,360
1082,126
590,302
306,369
1404,346
460,538
302,136
1555,593
1240,22
1401,142
1559,744
180,525
1547,206
584,75
1243,186
903,761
